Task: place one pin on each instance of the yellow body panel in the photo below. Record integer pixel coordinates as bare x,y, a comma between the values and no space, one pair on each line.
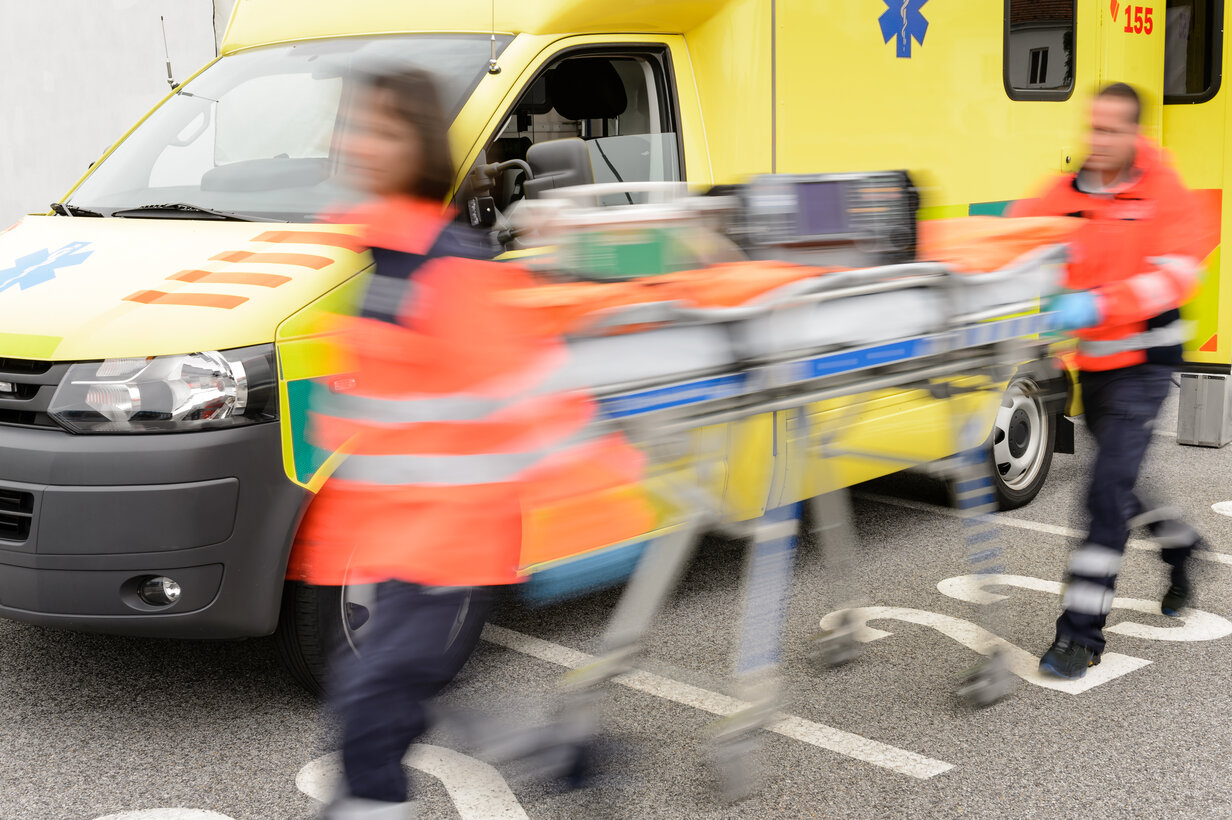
735,92
759,86
846,102
260,22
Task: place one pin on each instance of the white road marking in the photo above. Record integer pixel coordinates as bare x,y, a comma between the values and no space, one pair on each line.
1195,625
477,790
1223,508
166,814
1017,523
1022,663
805,731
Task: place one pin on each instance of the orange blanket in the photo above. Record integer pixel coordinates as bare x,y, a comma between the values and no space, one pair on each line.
967,244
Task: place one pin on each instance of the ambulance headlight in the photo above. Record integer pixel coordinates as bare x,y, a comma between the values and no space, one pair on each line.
169,394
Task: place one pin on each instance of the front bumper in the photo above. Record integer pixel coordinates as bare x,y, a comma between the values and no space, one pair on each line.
84,518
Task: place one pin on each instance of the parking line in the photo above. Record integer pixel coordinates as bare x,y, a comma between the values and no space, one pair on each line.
805,731
1035,526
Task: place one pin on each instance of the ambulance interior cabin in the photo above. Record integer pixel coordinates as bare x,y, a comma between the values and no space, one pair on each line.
589,119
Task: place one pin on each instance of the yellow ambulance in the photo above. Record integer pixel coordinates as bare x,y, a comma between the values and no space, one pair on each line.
155,351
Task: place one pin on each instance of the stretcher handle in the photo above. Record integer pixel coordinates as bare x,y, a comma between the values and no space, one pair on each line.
841,285
1039,257
642,313
807,291
1002,312
903,275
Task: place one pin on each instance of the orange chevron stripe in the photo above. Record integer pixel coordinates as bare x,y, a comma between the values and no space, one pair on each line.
265,280
213,300
330,238
303,260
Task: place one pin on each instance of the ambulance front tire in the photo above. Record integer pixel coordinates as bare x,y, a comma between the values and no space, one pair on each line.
315,621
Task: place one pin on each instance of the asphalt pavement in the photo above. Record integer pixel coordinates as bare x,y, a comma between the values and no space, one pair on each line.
96,726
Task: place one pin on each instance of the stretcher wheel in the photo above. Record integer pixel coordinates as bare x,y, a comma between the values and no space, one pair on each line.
577,766
735,766
988,682
834,647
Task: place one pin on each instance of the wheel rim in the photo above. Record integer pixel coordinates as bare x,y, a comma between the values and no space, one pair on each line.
357,610
1020,434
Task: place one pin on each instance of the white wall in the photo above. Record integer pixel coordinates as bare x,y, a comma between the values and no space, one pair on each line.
77,74
1027,38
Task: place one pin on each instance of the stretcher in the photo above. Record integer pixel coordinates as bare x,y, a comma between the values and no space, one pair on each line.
664,369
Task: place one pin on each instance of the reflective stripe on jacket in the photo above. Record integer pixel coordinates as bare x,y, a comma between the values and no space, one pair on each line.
449,414
1140,251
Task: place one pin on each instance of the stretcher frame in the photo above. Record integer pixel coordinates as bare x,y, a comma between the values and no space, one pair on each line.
988,343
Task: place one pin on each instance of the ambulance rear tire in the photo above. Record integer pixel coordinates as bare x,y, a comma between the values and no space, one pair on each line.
317,621
1022,442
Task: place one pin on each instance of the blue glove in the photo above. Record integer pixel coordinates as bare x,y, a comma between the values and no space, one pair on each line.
1074,311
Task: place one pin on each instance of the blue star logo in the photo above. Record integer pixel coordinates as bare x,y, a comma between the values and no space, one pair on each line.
903,20
42,265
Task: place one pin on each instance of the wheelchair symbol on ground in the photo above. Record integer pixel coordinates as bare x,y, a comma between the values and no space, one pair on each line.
1195,625
477,790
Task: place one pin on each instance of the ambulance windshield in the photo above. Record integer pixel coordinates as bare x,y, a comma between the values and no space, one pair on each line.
255,135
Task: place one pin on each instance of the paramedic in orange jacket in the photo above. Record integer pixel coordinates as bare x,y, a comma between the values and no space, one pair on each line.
1133,263
450,420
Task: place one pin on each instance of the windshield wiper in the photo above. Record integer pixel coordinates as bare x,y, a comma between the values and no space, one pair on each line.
64,209
182,210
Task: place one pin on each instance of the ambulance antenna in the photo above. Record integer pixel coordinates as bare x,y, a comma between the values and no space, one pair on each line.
167,51
493,68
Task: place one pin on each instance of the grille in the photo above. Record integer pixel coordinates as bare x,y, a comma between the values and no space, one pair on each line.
32,385
16,513
23,366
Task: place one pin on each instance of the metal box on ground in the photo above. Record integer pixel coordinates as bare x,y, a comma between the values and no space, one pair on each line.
1204,418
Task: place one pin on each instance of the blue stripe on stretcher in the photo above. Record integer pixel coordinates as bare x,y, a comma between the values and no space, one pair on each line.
677,395
861,359
723,387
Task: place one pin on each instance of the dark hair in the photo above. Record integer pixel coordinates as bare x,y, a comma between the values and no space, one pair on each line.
413,98
1123,91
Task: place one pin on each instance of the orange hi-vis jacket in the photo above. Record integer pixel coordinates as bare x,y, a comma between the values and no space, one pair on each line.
1140,251
450,421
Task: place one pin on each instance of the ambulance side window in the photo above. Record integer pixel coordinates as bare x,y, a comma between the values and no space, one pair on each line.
1039,49
1193,50
618,111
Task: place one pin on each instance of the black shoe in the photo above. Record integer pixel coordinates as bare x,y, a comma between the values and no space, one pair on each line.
1068,660
1176,599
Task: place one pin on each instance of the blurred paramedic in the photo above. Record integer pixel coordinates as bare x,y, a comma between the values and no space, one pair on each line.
1133,262
445,411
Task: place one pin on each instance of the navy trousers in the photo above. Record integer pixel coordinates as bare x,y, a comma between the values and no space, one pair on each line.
1120,408
411,650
